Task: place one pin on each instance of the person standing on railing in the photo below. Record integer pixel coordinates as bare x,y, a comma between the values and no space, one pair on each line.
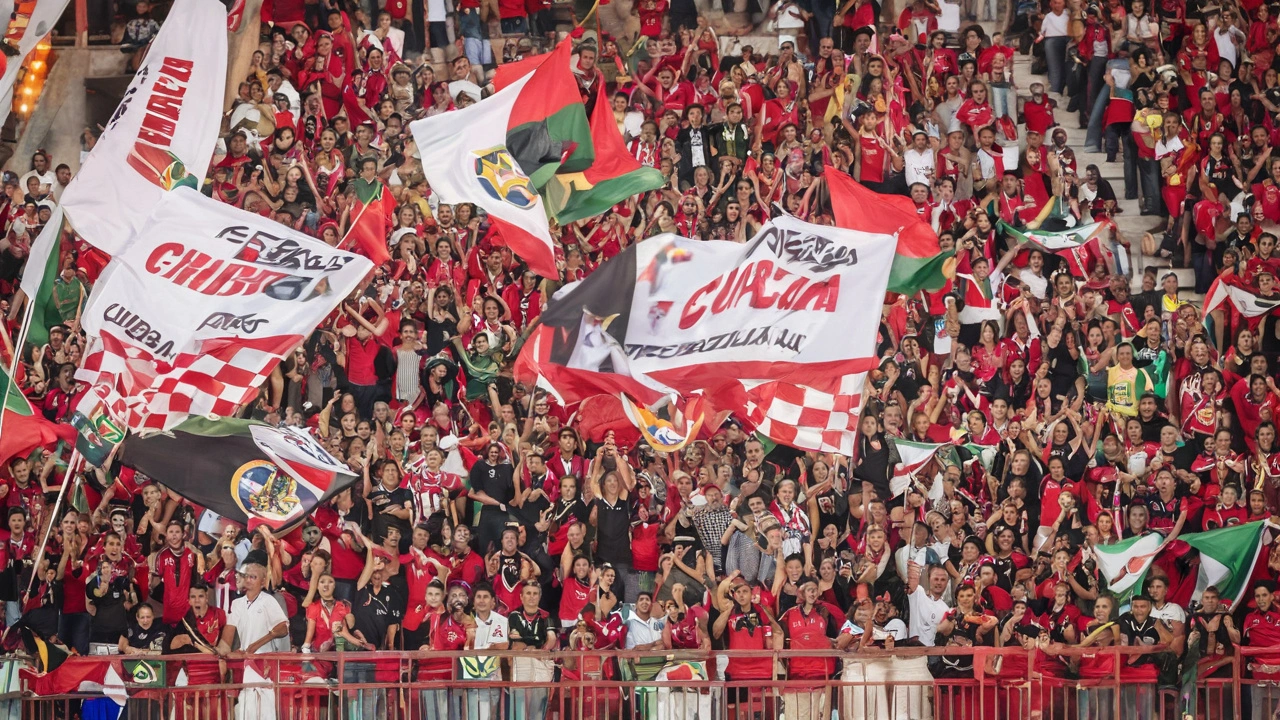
260,623
492,632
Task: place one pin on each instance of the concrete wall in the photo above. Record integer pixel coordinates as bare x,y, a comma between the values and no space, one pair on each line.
61,114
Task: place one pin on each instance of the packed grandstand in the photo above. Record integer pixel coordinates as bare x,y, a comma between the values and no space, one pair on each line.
547,330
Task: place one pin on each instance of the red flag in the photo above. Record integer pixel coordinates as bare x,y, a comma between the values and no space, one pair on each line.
370,220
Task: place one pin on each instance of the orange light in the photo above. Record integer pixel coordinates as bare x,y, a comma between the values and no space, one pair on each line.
23,108
43,46
37,65
26,91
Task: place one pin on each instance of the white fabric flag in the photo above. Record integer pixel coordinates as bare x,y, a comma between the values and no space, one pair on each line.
191,316
166,127
32,24
201,269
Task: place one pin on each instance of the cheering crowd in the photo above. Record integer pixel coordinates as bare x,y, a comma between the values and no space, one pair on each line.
1073,412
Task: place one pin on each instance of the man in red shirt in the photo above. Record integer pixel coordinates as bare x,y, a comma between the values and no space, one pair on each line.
807,626
174,570
747,626
515,20
1261,629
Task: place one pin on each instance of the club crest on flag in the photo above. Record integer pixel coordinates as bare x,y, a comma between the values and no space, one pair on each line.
161,167
500,176
265,492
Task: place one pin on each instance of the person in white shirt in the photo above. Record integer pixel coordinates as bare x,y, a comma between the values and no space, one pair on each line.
1171,614
492,633
262,627
919,160
256,617
644,631
927,606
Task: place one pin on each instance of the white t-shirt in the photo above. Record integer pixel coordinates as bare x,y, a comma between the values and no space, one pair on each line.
437,11
1054,25
926,613
1038,285
643,632
493,631
918,165
1226,48
255,620
1171,612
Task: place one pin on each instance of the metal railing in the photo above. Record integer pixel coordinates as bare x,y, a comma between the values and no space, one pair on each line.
950,683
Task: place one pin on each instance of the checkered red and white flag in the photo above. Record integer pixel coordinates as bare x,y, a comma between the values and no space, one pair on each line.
805,418
149,394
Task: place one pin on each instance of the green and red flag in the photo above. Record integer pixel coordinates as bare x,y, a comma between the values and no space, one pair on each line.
371,220
613,176
918,264
23,429
40,277
503,152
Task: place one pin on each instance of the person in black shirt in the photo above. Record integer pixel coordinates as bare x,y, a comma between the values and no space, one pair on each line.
492,485
144,636
371,625
1138,628
530,631
110,592
392,504
612,480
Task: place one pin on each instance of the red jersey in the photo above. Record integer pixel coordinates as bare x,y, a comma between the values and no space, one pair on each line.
176,572
749,631
1262,630
418,573
871,169
444,635
324,618
575,596
808,631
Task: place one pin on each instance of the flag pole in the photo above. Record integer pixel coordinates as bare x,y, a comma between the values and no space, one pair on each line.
62,492
17,355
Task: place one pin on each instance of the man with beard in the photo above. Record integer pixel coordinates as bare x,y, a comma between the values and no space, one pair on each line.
448,628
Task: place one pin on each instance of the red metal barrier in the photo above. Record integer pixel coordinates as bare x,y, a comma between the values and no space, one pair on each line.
1003,683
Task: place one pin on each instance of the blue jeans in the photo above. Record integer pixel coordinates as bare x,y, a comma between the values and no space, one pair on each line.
1094,88
478,50
515,26
528,704
1055,55
436,705
364,704
74,630
483,704
1094,136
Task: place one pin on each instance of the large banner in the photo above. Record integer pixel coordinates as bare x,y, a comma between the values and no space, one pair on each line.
162,134
798,303
202,304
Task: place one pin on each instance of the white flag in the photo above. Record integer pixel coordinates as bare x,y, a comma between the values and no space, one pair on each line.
165,128
190,317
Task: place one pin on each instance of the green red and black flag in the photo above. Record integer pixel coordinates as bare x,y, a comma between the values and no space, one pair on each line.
246,471
918,264
370,220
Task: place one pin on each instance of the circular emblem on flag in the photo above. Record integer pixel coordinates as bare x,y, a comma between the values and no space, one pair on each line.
266,492
498,174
